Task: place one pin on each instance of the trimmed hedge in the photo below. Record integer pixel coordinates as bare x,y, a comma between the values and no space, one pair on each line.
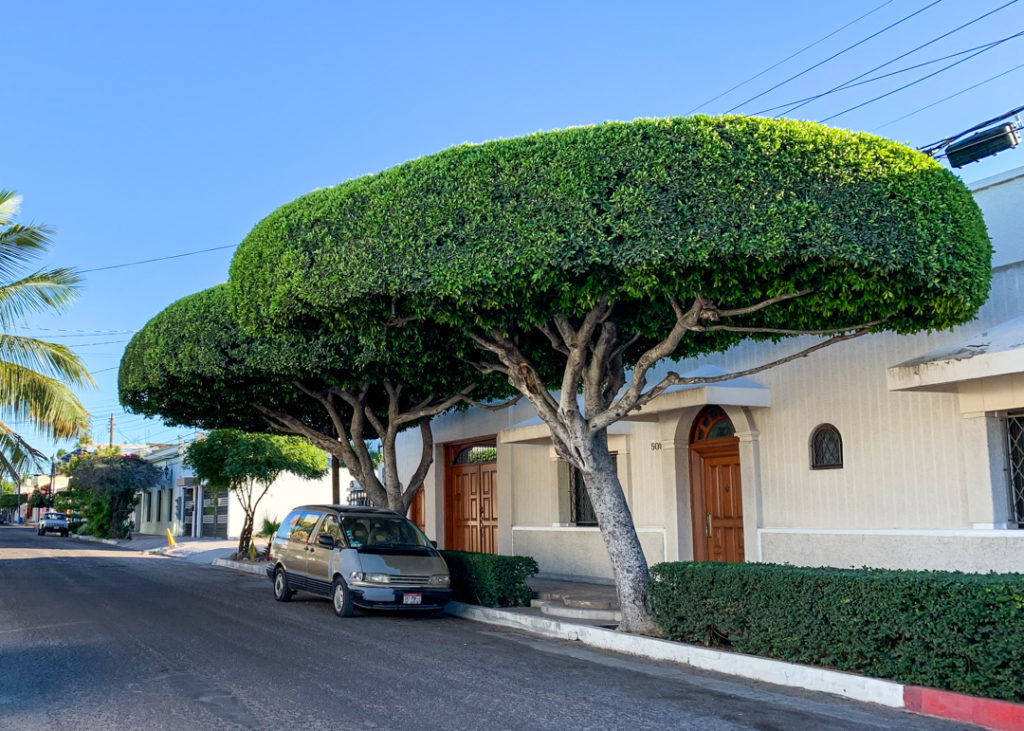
959,632
490,580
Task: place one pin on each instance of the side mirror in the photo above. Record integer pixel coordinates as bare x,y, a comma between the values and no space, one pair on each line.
434,544
326,541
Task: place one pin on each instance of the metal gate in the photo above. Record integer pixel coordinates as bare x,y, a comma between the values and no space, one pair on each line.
215,514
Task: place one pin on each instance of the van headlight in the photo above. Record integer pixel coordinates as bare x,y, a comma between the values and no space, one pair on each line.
377,578
439,580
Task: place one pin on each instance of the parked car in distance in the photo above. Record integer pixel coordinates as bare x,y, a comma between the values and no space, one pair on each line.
358,557
53,523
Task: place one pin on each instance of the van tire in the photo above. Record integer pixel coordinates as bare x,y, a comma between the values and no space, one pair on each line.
341,598
282,591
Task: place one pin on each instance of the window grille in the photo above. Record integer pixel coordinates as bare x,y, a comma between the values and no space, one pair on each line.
1015,452
712,423
581,510
826,448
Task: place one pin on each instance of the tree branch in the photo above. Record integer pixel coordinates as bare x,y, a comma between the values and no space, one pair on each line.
426,459
761,305
674,379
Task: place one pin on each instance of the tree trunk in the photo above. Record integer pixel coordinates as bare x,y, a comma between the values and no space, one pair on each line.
620,538
246,536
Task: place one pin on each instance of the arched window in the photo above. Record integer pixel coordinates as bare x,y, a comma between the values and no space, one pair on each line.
477,453
711,423
826,448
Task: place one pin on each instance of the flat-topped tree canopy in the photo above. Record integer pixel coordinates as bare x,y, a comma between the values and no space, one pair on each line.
192,366
738,209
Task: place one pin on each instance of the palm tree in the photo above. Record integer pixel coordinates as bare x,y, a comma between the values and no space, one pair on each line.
36,377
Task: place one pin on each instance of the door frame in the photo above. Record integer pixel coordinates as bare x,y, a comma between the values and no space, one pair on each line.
451,450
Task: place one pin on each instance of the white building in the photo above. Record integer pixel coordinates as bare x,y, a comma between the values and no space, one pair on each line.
887,451
179,503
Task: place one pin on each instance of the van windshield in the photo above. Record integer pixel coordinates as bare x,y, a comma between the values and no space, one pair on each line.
394,532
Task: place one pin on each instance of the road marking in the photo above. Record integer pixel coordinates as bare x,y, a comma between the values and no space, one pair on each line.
41,626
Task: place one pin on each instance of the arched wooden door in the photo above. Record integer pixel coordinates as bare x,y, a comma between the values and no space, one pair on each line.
471,511
716,494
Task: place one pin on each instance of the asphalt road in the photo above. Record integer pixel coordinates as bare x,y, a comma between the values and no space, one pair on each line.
93,637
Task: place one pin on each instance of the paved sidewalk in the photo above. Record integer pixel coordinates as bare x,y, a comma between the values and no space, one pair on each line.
193,550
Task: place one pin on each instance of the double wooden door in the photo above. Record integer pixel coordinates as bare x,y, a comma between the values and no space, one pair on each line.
471,507
716,500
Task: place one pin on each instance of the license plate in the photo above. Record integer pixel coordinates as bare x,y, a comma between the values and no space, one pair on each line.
412,599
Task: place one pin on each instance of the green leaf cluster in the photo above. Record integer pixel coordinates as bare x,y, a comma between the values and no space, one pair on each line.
959,632
505,234
490,580
229,459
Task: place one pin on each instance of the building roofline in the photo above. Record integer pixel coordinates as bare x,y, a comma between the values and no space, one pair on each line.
998,179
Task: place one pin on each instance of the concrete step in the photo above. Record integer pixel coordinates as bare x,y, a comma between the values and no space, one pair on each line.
579,601
556,608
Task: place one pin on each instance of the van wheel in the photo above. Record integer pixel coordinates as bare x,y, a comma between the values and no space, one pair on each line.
341,600
282,592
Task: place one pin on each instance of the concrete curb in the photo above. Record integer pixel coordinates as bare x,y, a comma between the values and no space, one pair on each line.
94,539
248,568
992,714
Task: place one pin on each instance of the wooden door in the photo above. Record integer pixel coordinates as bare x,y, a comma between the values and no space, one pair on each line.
418,512
716,491
471,499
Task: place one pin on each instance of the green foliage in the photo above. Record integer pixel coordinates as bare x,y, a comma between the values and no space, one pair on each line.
36,377
40,500
490,580
959,632
109,484
508,233
11,500
118,473
229,459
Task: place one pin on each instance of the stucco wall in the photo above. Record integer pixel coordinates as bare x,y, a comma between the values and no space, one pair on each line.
578,551
972,550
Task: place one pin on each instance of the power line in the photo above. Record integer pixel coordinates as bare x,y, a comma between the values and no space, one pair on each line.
897,72
946,99
150,261
787,58
836,55
923,78
845,84
929,149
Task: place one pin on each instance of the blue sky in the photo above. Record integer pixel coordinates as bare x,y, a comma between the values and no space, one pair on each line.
139,131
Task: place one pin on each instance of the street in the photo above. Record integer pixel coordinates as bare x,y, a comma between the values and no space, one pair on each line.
95,637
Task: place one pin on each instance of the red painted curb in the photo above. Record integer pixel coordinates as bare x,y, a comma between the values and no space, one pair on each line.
1000,715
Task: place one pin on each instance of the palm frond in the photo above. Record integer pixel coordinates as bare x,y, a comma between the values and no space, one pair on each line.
10,204
45,403
50,359
16,455
38,292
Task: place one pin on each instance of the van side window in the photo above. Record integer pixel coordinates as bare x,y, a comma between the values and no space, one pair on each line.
304,528
288,525
330,527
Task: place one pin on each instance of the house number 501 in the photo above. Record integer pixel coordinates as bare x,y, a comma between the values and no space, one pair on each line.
655,446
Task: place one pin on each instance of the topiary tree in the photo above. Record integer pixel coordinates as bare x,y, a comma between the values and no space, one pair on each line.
111,483
193,365
577,260
248,464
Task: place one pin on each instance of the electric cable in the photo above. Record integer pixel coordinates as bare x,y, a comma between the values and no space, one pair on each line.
835,55
923,78
897,58
946,99
897,72
787,58
150,261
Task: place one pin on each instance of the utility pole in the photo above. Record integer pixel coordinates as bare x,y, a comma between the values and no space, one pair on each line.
111,445
335,481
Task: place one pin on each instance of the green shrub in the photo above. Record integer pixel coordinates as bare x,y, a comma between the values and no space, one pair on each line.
490,580
959,632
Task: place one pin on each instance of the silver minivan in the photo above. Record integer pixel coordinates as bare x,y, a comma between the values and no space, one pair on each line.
358,557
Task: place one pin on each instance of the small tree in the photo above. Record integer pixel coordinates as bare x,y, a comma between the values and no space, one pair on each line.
111,483
247,464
